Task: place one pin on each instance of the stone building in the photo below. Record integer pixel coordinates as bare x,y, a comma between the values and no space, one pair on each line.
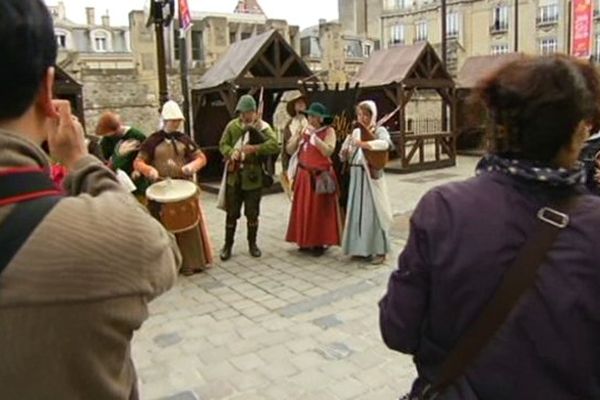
474,27
93,45
333,55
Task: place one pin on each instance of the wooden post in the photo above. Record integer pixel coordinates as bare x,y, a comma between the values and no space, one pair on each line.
516,26
159,20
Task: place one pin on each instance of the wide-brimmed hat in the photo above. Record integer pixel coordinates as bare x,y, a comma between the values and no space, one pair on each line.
246,104
291,104
318,110
171,111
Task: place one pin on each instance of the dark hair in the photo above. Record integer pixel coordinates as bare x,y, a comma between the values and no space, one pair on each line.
28,48
536,103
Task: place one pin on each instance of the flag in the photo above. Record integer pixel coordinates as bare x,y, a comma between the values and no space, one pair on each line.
583,22
185,16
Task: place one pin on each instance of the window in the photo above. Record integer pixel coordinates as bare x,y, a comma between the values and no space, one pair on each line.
498,49
246,35
500,19
397,34
61,40
197,46
367,49
232,36
421,31
101,42
548,14
176,43
401,4
452,29
596,55
548,46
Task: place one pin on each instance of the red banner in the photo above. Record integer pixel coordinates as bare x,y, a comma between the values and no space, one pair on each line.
185,15
583,22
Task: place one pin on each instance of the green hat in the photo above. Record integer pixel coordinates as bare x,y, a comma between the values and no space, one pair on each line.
246,104
318,110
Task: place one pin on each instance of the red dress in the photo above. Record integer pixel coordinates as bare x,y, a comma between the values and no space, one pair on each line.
315,218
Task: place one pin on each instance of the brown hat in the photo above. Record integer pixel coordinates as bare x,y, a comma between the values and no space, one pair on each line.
108,123
291,104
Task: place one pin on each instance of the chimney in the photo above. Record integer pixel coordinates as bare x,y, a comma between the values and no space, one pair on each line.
91,15
106,20
61,10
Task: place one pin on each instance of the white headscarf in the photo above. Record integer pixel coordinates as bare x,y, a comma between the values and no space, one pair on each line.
373,107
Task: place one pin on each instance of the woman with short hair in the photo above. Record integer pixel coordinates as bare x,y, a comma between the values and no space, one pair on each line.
465,236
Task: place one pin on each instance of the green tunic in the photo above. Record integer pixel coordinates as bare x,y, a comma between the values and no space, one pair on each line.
251,174
109,145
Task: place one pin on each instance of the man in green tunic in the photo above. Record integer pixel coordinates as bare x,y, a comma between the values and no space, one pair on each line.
120,145
245,172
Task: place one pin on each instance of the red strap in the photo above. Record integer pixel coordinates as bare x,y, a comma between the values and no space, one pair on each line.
25,183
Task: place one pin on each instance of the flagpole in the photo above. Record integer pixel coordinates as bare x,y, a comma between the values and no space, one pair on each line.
184,26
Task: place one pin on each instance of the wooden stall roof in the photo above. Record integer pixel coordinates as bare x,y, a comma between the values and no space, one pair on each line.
417,65
65,82
265,60
477,68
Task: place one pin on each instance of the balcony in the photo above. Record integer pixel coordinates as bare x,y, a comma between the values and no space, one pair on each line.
396,42
547,21
452,35
499,28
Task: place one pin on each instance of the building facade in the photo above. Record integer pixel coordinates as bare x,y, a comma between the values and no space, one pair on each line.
93,45
474,27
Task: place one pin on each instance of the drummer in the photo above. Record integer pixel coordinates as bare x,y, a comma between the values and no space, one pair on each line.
169,153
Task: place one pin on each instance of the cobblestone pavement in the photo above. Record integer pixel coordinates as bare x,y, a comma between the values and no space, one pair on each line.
286,326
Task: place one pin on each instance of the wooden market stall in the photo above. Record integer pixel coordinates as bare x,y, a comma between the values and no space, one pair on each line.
391,78
470,113
67,88
264,61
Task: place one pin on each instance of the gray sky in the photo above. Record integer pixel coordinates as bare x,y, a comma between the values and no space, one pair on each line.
304,13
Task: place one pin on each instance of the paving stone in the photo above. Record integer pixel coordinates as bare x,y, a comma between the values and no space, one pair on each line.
348,388
327,322
247,362
335,351
182,396
215,390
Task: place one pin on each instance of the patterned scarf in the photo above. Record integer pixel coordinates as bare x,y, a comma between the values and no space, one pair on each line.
532,171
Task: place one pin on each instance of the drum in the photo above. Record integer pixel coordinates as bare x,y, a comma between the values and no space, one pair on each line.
178,201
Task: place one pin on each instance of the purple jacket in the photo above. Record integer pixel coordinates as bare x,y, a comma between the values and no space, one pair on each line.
463,236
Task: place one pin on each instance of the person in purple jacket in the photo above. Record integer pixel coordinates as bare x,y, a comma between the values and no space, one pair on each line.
463,237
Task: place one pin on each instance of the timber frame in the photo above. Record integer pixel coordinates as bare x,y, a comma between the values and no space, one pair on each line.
67,88
427,72
269,63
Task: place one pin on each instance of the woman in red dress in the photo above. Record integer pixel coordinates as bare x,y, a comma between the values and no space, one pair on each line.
315,218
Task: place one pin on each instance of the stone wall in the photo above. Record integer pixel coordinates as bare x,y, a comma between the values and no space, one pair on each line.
122,91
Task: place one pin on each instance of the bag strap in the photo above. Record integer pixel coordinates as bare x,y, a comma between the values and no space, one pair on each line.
20,224
518,278
34,194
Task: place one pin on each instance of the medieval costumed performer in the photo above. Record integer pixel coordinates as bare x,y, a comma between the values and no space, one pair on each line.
369,213
120,145
295,126
246,141
315,217
171,154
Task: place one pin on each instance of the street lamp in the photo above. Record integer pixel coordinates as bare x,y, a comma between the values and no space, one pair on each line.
161,15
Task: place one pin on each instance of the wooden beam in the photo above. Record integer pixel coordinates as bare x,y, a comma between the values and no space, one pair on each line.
268,64
277,45
428,83
291,83
228,100
391,95
286,65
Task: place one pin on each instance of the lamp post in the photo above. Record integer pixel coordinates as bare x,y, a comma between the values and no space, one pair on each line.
516,26
160,20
